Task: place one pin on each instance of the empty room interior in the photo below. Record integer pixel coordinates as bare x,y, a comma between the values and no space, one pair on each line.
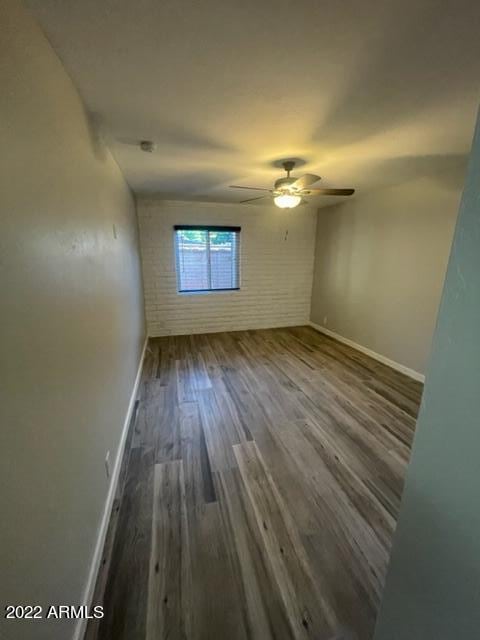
239,353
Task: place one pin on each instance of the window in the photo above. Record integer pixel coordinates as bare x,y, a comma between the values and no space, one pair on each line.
207,258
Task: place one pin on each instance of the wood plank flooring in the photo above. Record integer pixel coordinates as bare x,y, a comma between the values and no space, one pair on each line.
259,491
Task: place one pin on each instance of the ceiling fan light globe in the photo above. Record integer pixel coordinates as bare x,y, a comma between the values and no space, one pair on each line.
287,201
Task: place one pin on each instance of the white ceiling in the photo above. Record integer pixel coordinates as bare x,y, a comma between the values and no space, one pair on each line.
367,93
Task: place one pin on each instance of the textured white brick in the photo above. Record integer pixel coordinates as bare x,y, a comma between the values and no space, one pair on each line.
276,268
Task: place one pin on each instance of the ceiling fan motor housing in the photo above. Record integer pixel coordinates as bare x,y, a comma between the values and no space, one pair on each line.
284,183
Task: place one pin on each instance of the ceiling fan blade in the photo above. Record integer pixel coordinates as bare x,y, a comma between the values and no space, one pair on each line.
330,192
237,186
305,180
252,199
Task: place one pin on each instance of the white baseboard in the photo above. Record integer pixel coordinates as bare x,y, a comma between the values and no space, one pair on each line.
80,629
202,330
411,373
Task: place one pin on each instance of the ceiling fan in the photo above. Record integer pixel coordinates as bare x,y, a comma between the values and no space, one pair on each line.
289,192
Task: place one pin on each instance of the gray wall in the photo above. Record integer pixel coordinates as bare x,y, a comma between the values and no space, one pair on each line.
380,263
72,327
433,583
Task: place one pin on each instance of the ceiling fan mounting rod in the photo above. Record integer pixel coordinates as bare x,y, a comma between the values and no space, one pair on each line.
288,166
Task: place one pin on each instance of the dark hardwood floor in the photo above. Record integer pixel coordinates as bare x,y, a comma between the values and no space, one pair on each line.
259,491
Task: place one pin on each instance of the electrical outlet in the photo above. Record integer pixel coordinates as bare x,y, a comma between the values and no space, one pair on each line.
114,229
107,464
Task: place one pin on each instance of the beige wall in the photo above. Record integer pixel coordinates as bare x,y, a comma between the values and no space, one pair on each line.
380,264
72,327
276,268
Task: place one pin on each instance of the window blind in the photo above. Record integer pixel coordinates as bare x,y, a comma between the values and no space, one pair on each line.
207,258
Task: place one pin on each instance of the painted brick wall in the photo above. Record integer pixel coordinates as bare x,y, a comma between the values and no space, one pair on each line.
276,268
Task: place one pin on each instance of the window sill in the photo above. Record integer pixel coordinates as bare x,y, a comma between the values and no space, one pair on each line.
206,291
